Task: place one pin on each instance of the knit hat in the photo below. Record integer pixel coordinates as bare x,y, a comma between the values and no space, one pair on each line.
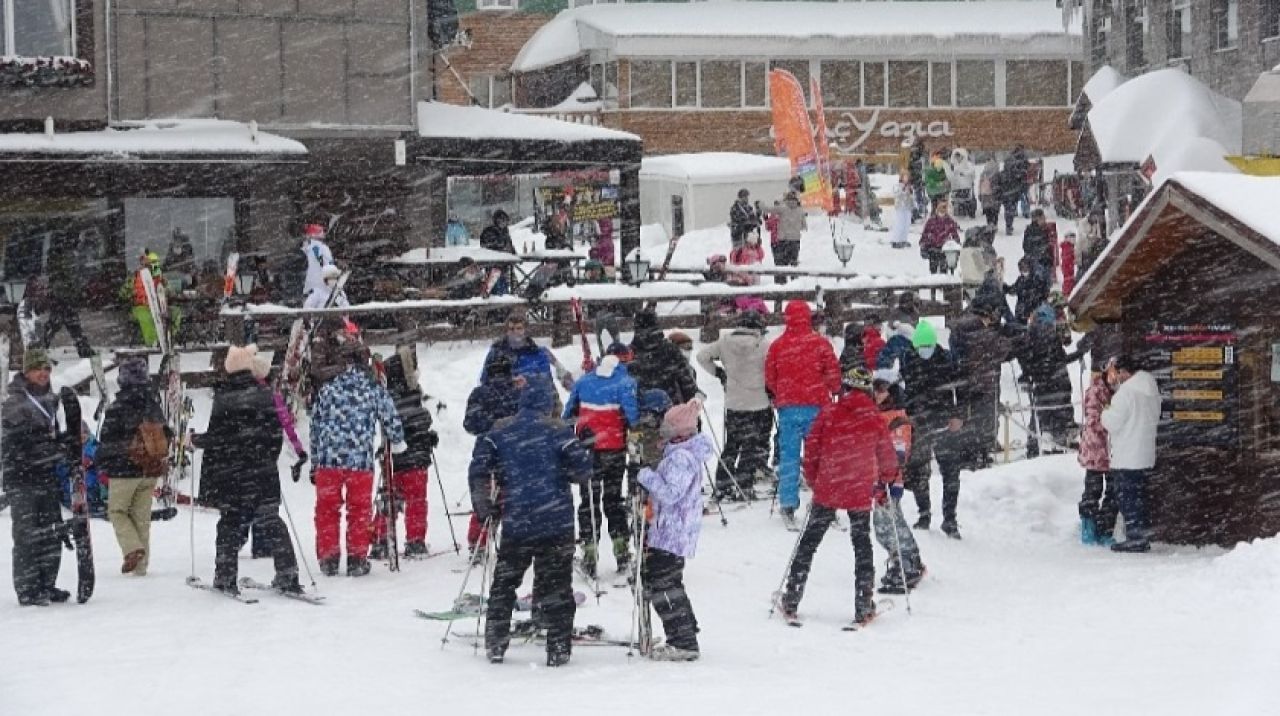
622,351
681,421
313,231
681,339
646,318
261,367
35,358
655,400
134,371
858,378
240,358
925,336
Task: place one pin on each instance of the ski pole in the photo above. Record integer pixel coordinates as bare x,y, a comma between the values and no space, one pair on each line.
795,549
486,581
297,538
466,578
715,497
637,515
894,511
444,500
720,458
595,536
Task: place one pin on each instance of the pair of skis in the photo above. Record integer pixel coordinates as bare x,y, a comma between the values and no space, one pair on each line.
251,584
176,407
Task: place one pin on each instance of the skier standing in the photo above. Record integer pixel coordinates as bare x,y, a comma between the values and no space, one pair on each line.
938,230
343,423
887,519
318,256
743,218
737,360
979,350
31,453
239,474
792,222
801,371
319,298
675,494
410,480
604,404
134,411
658,362
533,458
528,359
848,454
496,398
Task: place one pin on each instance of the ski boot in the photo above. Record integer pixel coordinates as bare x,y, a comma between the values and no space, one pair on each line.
667,652
287,584
357,566
226,586
1088,531
558,655
1132,546
864,612
378,550
58,596
589,559
789,519
621,554
951,529
923,522
789,612
416,549
329,566
496,654
38,600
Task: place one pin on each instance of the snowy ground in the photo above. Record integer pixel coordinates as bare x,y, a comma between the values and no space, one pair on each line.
1016,619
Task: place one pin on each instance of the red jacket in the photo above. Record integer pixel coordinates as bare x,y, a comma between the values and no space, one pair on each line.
801,368
848,451
872,344
1094,453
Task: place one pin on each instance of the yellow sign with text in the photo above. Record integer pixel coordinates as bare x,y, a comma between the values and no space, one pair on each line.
1197,374
1203,416
1197,395
1198,356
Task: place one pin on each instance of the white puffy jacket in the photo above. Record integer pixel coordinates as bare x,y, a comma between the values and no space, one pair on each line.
1131,421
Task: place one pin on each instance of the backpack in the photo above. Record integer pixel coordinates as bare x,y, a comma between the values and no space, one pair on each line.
149,449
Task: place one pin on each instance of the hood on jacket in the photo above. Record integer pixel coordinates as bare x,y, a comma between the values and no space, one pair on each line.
799,317
857,401
538,396
647,336
1143,383
698,445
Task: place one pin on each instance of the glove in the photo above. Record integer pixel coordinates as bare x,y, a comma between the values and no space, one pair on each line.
296,469
432,439
399,448
722,376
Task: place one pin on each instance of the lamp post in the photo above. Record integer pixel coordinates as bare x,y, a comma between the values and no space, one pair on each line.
637,268
951,250
15,288
244,283
844,251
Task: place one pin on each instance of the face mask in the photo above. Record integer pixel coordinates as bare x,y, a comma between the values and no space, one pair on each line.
926,352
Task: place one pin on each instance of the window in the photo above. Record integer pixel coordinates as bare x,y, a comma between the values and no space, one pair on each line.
1036,83
975,83
1101,39
908,84
37,28
597,80
841,83
799,68
490,91
201,228
721,83
686,84
1136,27
873,84
1179,29
940,84
651,83
755,84
497,4
1271,18
1226,23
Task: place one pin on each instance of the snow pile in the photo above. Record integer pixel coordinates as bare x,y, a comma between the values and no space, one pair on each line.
581,99
578,30
186,136
713,167
1152,115
1253,565
1102,83
1197,154
447,121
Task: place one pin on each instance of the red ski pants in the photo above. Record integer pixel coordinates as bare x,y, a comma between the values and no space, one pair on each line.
330,483
477,538
410,487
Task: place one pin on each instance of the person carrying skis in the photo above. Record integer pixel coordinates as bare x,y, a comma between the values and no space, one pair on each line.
1098,502
658,363
802,373
496,398
410,479
532,459
344,418
675,495
137,292
319,298
31,451
239,475
737,361
849,454
887,520
604,405
133,413
318,256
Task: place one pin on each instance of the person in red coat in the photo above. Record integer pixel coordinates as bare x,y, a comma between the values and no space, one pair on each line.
849,457
800,373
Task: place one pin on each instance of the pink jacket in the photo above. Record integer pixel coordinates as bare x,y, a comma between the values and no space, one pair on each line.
1094,454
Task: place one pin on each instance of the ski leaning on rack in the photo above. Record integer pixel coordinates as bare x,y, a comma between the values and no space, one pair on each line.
78,525
229,280
197,583
251,583
386,503
175,405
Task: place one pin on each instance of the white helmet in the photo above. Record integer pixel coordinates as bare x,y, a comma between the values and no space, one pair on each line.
330,271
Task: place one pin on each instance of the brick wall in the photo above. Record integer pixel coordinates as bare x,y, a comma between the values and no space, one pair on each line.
496,40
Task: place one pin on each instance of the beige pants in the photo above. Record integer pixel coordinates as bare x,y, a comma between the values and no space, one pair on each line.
129,509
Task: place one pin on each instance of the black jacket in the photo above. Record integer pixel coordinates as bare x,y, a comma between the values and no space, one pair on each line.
934,390
31,450
493,400
241,445
497,239
1035,244
1031,291
414,417
978,351
660,364
120,425
743,217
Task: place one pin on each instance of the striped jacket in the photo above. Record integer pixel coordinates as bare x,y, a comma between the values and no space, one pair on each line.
343,421
605,403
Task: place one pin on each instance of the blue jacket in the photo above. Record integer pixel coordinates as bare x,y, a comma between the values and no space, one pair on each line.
529,360
344,419
533,458
605,403
898,347
489,403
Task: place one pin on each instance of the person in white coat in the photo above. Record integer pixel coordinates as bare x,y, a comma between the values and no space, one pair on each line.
318,256
903,205
1131,421
320,297
737,360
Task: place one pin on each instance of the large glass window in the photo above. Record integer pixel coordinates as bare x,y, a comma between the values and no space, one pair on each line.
755,84
190,235
940,84
721,83
1178,28
1271,18
908,84
841,83
1226,23
651,83
873,84
37,27
799,68
1137,26
686,84
975,83
1036,83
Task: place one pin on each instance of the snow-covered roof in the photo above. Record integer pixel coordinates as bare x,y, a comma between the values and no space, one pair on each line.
448,121
710,167
1198,154
1162,109
583,97
638,29
1102,83
176,136
1248,199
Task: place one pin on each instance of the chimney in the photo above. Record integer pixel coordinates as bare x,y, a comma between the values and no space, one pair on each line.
1261,112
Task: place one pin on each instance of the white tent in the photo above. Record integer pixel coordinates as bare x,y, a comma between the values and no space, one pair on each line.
707,183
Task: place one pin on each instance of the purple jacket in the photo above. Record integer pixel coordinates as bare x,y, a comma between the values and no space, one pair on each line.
675,489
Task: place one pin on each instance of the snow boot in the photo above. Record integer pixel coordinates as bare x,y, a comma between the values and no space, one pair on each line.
132,560
667,652
1088,531
39,600
558,656
1132,546
922,523
378,550
58,596
357,566
416,549
863,614
1106,540
789,611
496,655
329,566
621,553
589,559
789,519
951,529
287,584
226,586
915,578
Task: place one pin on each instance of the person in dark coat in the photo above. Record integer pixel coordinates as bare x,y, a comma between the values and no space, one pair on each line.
528,359
129,501
410,479
497,237
1013,182
1035,242
1044,366
743,219
533,459
239,475
31,452
979,350
496,398
659,363
1031,289
66,292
